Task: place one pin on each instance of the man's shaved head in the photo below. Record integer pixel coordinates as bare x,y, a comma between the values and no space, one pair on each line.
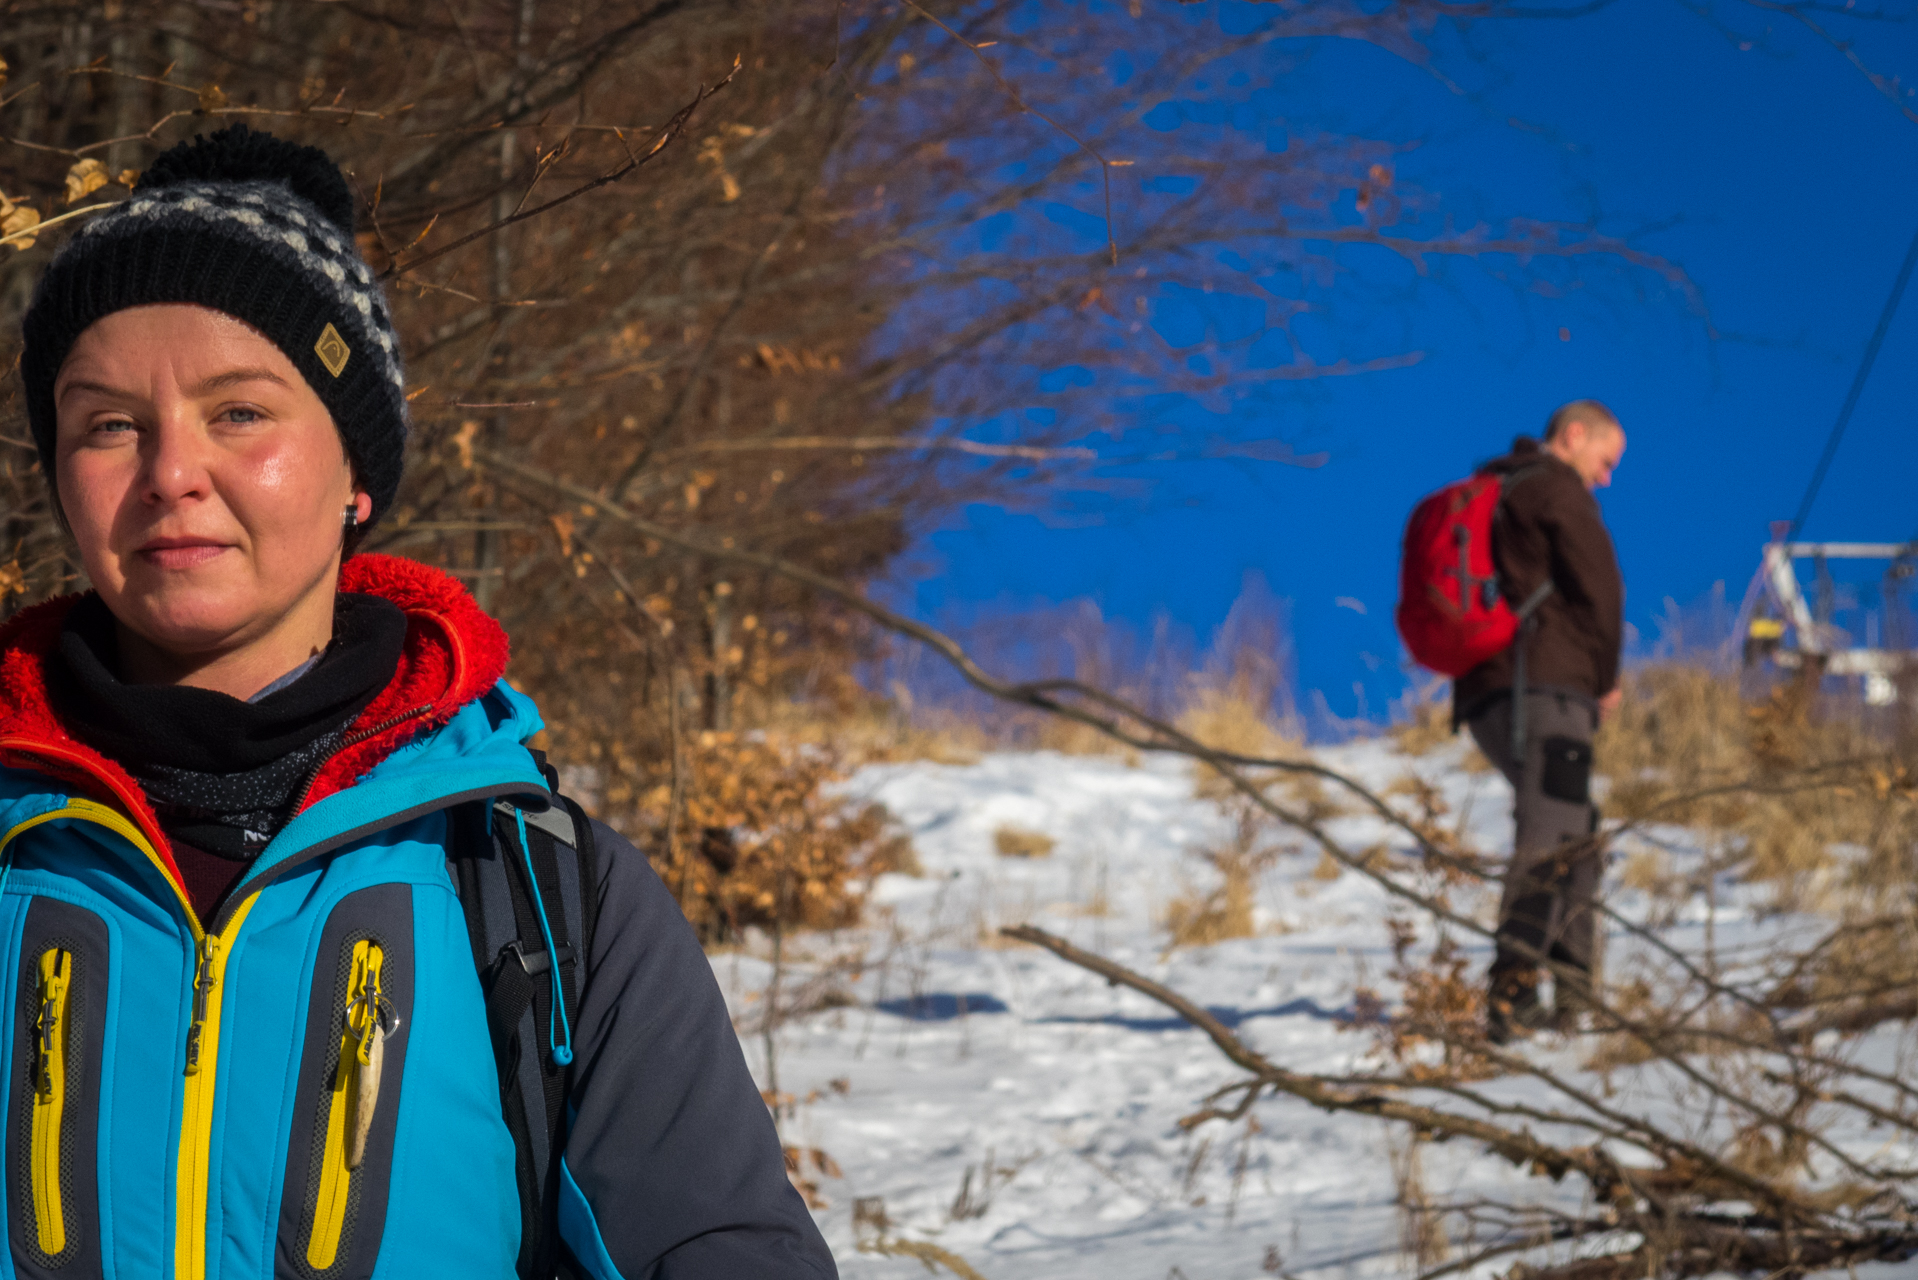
1587,437
1596,417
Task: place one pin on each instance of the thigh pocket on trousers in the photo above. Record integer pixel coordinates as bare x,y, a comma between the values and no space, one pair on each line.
1568,770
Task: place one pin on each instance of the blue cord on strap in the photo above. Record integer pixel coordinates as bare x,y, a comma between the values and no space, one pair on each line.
562,1053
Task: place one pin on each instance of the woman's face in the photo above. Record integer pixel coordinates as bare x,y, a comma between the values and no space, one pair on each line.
202,478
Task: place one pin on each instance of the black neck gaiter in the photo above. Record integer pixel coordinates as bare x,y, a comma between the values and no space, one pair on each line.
223,775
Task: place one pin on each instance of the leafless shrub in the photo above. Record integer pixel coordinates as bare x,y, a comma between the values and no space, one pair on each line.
1440,1013
759,839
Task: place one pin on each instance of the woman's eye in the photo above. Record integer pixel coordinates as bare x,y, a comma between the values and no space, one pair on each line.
114,426
240,415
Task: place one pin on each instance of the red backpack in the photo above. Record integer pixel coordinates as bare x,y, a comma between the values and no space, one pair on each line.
1451,612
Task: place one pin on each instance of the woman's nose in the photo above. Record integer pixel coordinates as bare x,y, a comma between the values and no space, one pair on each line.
176,464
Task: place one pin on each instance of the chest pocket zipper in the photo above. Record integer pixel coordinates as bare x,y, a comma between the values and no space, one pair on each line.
367,1020
50,1098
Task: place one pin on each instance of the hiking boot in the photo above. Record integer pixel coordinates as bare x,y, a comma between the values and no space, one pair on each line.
1513,1010
1571,1001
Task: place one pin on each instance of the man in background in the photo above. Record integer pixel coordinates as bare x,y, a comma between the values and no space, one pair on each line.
1549,530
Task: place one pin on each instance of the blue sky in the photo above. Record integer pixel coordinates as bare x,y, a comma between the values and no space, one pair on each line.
1737,145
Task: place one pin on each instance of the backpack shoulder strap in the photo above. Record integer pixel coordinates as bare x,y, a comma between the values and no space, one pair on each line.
1506,483
1511,479
528,885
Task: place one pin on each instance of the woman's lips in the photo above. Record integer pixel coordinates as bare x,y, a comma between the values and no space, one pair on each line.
180,553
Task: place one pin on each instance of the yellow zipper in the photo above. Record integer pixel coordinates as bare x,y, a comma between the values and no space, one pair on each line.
50,1098
203,1034
118,823
357,1031
196,1108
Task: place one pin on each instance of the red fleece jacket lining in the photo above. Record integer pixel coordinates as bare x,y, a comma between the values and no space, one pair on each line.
453,654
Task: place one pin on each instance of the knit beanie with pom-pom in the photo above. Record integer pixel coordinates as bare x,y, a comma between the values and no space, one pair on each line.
261,229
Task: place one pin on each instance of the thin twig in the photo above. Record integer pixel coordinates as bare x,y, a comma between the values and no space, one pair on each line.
1519,1147
28,233
1105,165
671,130
878,443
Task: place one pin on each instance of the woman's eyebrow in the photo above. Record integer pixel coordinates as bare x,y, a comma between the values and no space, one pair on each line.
80,384
233,377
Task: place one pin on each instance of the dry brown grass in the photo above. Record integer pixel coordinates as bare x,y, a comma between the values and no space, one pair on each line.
1792,791
894,854
1234,694
1426,729
1649,871
1423,1239
1327,867
1018,842
876,730
1786,781
1070,738
1201,917
1233,717
1474,761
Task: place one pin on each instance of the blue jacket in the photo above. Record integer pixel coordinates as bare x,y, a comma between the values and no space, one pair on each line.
184,1097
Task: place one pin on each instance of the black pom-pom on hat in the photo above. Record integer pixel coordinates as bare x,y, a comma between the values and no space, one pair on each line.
238,154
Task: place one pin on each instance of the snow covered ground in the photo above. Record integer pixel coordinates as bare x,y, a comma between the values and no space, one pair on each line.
1023,1114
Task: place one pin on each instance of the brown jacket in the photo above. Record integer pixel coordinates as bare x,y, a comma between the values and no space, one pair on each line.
1549,526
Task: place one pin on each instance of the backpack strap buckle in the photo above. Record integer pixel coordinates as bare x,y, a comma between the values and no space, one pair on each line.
536,963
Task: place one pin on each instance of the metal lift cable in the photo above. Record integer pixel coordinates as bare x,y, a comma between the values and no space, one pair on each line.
1857,386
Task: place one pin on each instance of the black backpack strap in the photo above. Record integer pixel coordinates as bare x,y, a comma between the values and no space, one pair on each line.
1524,611
1510,479
569,824
528,884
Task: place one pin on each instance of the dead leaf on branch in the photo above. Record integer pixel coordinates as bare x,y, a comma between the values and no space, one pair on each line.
13,582
85,178
212,98
798,1158
16,220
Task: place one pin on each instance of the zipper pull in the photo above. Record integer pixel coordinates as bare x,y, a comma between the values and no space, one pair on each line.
53,990
366,1008
366,1092
369,1056
202,988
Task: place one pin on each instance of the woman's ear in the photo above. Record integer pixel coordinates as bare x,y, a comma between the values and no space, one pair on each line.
353,521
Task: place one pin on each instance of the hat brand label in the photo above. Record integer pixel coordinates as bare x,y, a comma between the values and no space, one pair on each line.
332,350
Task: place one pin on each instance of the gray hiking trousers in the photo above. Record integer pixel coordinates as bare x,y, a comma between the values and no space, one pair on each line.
1551,885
